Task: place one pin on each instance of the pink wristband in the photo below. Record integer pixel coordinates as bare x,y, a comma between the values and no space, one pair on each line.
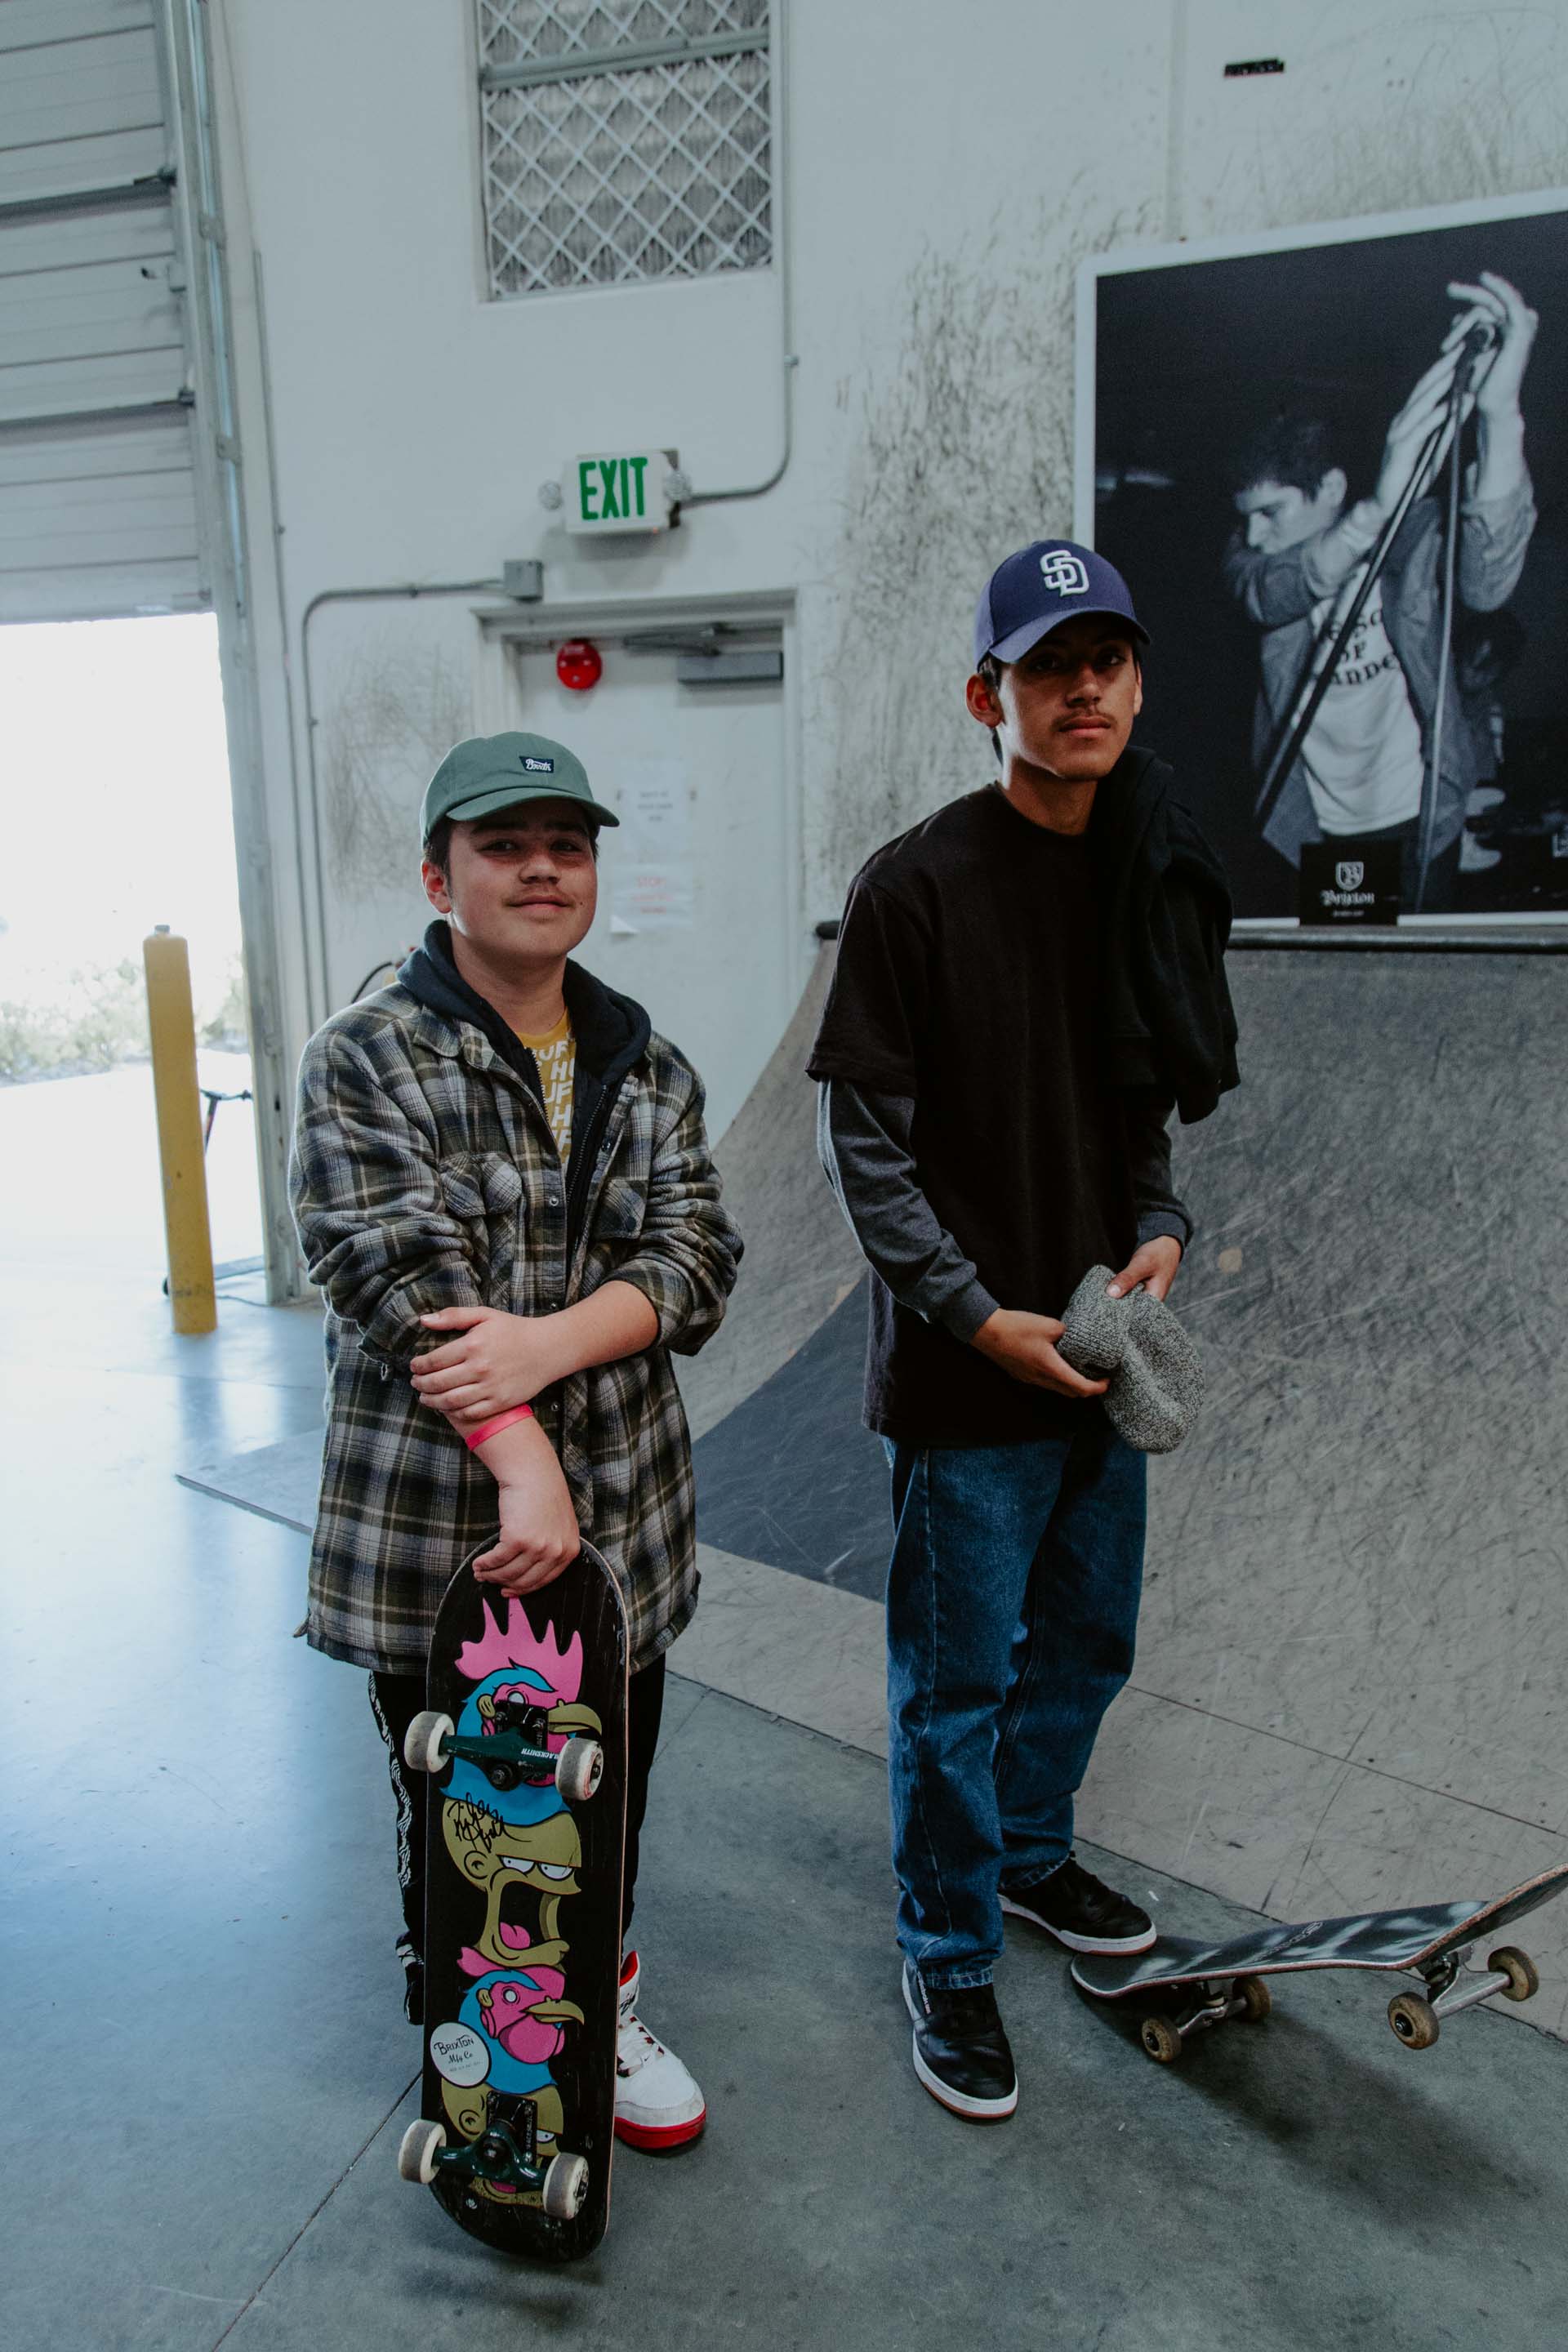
503,1420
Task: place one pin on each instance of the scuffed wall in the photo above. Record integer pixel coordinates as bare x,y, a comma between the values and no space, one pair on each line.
963,453
391,714
1379,110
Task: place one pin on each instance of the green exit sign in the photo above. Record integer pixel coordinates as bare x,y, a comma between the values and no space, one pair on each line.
619,493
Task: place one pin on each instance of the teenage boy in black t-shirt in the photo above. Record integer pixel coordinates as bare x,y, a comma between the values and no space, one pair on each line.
1026,983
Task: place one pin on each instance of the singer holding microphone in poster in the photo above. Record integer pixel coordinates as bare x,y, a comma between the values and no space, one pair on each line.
1386,755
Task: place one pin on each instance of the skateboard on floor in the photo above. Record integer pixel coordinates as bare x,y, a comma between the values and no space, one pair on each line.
1204,1985
525,1736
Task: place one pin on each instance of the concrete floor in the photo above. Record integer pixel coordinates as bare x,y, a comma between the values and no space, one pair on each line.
209,2071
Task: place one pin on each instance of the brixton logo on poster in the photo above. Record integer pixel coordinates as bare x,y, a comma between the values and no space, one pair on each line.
1362,888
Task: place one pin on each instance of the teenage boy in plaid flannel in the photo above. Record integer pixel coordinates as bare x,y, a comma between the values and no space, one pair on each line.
502,1185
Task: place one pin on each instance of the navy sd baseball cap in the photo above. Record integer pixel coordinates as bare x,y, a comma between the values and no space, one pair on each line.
1037,589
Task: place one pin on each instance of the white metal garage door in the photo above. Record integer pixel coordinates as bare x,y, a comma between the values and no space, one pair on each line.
97,510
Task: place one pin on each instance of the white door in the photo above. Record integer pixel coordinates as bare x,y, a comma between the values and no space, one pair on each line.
698,890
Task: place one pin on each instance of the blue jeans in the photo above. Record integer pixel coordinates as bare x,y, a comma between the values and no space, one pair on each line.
1012,1609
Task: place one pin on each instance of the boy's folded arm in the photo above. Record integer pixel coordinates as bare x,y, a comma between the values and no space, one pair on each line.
377,1237
687,1254
864,1140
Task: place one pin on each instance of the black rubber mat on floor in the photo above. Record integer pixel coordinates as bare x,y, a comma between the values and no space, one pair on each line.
790,1478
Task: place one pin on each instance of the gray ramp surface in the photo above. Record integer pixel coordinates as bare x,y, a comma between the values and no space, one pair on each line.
801,1259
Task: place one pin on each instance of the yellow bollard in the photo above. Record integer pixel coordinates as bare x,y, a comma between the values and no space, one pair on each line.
172,1028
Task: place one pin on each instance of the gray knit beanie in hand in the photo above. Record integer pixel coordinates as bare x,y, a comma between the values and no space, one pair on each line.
1155,1372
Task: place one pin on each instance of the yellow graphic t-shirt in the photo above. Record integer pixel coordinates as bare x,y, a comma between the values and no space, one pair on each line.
556,1055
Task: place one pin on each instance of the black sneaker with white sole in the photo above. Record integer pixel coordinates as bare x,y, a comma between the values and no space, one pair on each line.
961,2052
1081,1912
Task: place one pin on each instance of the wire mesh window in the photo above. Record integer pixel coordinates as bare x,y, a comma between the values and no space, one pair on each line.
624,140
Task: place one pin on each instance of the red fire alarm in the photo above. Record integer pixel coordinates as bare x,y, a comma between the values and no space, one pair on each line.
579,664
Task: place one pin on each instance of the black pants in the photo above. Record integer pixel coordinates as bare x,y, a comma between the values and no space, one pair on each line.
396,1699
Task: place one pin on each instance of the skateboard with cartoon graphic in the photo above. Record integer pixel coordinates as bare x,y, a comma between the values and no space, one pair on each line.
525,1738
1192,1985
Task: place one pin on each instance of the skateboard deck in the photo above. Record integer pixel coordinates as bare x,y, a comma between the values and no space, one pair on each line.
525,1736
1208,1984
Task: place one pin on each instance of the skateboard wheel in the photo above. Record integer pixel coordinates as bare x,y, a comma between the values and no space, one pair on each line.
423,1740
1413,2020
1519,1968
420,2145
1255,1995
578,1768
1161,2039
566,2186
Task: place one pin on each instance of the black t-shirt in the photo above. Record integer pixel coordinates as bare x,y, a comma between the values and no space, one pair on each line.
968,979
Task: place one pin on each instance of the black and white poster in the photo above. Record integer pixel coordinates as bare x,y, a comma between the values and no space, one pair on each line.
1333,468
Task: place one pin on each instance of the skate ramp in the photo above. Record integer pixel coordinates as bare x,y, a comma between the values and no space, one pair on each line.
1354,1642
1349,1685
800,1260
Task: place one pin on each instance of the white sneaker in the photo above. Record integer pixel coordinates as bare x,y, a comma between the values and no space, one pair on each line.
658,2104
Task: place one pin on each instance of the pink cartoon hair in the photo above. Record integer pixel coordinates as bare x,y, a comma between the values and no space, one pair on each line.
519,1645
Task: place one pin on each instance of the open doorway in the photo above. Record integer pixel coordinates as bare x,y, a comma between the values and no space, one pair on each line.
114,800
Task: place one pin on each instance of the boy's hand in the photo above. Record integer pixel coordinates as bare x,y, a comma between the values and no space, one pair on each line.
492,1361
1025,1347
1155,1266
539,1532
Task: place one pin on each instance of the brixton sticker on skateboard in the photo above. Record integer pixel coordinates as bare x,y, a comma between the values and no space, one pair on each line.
458,2054
525,1738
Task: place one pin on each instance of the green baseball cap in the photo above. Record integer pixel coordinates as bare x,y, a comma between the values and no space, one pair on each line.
486,772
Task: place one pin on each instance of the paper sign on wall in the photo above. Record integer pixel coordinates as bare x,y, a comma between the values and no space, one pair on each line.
655,880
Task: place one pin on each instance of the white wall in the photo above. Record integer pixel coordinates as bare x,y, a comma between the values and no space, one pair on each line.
943,180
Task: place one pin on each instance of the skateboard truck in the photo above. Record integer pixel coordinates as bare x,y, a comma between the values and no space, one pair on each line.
500,2157
1223,1998
515,1752
1416,2018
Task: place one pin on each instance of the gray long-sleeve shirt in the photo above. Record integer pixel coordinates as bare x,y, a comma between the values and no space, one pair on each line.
863,1139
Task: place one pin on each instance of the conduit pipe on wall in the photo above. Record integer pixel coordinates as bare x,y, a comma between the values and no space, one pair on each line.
789,359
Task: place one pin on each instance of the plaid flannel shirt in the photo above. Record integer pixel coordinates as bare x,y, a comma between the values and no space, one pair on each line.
425,1175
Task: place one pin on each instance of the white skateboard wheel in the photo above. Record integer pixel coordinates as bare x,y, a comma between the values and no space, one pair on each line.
423,1740
420,2145
566,2186
579,1769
